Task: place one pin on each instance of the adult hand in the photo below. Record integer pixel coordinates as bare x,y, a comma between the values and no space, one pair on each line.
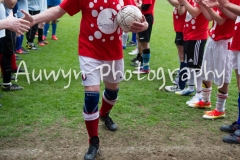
17,25
28,18
139,26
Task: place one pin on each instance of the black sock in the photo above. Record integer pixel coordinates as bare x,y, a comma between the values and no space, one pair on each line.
40,34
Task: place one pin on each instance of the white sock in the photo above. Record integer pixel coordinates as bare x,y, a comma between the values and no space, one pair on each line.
221,100
191,81
198,95
137,45
7,84
206,94
124,38
199,84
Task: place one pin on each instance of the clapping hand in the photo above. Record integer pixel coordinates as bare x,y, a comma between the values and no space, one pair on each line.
211,3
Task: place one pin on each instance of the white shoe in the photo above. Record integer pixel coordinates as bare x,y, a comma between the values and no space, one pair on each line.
194,99
134,52
138,68
172,88
176,79
184,92
141,71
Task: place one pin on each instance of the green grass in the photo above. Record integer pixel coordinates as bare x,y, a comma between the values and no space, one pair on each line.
45,103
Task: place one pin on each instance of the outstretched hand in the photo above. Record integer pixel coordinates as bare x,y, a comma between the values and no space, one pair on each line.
17,25
139,26
28,18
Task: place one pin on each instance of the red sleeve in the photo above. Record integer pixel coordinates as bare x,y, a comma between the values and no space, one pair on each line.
237,2
147,2
129,2
72,6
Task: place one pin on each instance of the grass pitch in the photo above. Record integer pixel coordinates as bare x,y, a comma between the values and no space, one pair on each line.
45,102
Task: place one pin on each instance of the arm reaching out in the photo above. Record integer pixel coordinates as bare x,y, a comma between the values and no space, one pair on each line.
230,6
222,5
228,13
46,16
14,24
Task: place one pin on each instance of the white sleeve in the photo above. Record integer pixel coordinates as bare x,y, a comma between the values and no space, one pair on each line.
44,5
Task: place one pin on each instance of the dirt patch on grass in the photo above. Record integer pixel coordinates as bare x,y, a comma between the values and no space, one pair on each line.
156,143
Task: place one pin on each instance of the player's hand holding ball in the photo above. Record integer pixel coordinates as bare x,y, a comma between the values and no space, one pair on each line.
131,19
139,26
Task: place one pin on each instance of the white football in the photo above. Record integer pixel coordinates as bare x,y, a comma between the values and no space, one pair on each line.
127,15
